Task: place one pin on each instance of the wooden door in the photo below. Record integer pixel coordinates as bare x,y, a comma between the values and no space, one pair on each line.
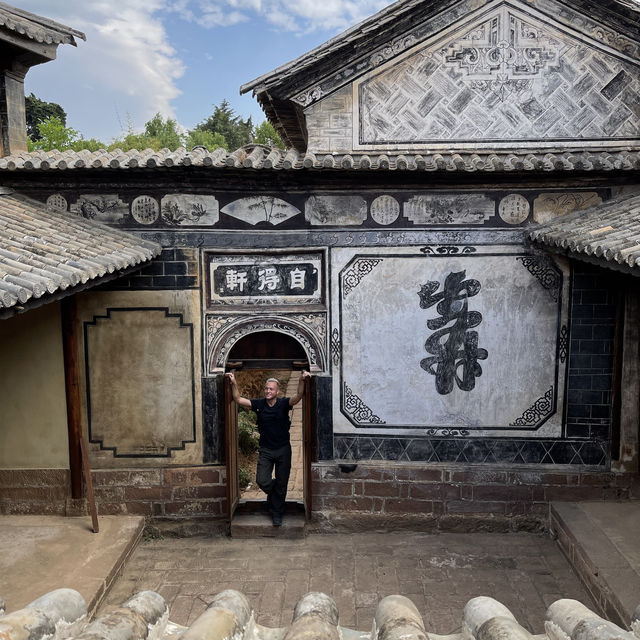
231,449
306,447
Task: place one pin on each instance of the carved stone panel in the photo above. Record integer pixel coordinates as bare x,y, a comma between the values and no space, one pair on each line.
503,74
335,210
139,382
100,207
449,209
267,279
448,339
257,209
182,210
551,205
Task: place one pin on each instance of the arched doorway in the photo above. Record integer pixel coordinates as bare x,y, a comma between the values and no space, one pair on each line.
266,351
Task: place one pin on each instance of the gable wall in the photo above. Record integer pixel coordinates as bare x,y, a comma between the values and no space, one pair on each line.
502,74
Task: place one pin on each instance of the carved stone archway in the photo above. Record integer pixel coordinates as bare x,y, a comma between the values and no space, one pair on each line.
222,333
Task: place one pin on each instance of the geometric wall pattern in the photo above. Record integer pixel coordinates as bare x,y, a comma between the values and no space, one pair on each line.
506,76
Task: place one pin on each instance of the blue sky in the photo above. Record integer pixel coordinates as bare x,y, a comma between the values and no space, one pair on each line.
176,57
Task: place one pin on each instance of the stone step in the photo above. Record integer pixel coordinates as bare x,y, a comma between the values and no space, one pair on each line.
259,525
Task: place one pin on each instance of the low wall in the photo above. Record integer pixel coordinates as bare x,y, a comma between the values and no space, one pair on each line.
173,493
389,495
450,497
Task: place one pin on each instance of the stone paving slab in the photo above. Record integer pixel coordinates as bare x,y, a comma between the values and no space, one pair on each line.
42,553
439,573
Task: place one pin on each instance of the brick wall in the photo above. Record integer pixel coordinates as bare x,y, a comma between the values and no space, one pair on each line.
172,269
35,491
172,493
452,496
593,323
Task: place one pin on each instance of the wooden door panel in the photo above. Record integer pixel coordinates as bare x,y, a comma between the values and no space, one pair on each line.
306,448
231,449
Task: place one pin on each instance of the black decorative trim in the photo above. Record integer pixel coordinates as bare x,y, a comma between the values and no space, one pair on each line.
445,431
541,409
447,250
490,451
107,316
563,344
335,347
357,409
352,277
545,272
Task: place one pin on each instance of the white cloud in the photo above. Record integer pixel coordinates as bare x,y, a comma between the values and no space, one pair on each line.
129,70
290,15
127,63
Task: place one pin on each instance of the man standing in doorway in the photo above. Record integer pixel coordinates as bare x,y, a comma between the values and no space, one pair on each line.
275,446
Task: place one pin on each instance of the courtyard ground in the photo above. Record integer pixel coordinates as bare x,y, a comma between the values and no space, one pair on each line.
439,573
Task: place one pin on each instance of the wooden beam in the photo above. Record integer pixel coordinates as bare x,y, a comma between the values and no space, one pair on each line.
69,316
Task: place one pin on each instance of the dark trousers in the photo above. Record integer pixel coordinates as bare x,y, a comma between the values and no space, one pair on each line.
275,488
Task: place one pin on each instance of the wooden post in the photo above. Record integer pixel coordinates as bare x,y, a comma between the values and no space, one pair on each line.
69,318
89,482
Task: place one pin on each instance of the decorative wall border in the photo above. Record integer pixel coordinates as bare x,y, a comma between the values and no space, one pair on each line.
222,332
544,270
108,316
465,450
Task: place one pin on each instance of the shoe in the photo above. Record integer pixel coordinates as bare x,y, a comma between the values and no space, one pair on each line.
277,520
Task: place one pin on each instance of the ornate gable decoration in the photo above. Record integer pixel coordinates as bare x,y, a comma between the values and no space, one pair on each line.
502,76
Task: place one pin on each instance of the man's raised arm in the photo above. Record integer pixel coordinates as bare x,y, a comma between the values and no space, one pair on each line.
237,398
300,391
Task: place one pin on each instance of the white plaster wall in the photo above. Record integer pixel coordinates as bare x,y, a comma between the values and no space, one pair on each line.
33,412
383,331
141,401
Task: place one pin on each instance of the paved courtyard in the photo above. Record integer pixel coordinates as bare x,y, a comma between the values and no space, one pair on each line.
439,573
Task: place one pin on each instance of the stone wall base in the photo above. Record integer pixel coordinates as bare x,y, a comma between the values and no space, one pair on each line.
441,497
172,493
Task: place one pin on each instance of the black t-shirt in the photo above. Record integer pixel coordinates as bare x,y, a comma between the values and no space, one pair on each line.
273,422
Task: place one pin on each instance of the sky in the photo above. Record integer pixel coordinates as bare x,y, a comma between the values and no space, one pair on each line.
175,57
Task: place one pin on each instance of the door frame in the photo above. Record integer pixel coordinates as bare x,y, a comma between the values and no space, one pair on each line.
231,431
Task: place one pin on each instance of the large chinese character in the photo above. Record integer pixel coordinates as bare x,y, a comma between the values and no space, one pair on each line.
454,347
296,278
268,278
235,279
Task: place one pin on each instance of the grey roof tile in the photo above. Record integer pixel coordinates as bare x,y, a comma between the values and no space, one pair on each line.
43,251
36,27
266,158
609,231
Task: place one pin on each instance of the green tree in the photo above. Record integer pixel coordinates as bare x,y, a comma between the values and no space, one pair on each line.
37,111
212,141
53,134
164,131
236,131
265,133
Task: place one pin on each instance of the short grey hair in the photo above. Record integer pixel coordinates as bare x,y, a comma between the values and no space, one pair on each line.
273,380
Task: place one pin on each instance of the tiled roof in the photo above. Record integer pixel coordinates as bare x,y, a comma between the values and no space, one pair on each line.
43,252
609,232
36,27
62,613
369,31
265,158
